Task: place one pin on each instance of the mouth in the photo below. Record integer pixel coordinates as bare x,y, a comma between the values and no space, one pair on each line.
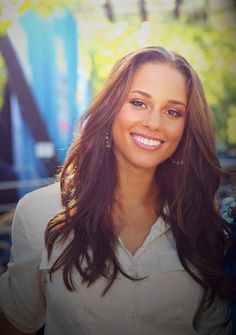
146,142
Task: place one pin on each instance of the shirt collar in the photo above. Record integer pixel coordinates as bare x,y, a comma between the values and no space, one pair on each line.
158,228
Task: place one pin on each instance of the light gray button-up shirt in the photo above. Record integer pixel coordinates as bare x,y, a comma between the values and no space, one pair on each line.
164,302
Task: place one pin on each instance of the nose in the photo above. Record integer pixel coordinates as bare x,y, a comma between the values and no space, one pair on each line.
153,120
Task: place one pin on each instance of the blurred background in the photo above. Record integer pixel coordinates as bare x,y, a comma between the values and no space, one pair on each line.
55,55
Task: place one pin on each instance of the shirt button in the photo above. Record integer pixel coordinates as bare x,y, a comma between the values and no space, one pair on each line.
133,316
132,270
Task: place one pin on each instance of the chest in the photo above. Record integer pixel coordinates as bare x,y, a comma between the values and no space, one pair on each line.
165,295
133,238
134,229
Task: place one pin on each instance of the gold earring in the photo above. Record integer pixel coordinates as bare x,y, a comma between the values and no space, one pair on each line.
177,162
108,140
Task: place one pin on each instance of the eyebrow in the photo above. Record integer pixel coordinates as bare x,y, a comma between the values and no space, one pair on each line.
142,93
176,102
172,101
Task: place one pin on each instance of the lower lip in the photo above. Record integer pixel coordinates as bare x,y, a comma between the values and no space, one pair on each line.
144,146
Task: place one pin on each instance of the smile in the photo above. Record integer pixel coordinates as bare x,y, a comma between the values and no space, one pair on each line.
146,142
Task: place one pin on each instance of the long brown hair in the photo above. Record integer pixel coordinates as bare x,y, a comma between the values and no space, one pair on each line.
89,179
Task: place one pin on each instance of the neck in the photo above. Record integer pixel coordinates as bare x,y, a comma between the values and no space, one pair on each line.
136,187
135,205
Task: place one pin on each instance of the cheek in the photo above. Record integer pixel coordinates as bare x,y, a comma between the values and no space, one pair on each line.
176,134
117,126
117,130
122,122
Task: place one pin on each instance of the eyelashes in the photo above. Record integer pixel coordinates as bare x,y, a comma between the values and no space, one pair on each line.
138,104
173,112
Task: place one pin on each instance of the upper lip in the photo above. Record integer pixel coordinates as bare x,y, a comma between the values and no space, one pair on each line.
147,136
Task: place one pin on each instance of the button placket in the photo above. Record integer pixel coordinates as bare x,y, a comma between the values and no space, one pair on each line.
133,272
134,316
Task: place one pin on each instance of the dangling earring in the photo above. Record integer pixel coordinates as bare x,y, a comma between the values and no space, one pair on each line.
177,162
108,140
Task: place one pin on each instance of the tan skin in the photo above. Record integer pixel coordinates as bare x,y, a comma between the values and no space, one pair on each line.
137,206
146,132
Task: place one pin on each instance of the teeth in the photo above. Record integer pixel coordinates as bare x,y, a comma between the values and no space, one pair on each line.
146,141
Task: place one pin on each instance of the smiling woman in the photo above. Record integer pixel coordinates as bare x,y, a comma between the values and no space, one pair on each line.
130,240
150,123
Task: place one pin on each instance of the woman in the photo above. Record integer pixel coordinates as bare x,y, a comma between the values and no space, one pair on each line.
133,241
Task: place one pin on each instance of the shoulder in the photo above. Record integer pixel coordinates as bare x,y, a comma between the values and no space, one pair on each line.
41,203
48,193
34,211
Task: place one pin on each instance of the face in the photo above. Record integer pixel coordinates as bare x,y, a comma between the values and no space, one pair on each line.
150,124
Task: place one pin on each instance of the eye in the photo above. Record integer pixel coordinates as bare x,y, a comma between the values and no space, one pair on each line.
173,112
138,103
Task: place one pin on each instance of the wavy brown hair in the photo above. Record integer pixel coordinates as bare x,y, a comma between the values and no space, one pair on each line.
89,179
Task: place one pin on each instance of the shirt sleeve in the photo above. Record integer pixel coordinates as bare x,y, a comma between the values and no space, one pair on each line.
22,286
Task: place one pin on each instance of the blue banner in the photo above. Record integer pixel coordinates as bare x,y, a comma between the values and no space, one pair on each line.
52,53
47,48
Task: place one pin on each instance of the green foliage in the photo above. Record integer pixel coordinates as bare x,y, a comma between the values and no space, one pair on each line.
209,45
11,9
45,7
3,76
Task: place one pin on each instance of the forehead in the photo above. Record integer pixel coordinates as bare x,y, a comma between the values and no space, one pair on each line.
160,78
